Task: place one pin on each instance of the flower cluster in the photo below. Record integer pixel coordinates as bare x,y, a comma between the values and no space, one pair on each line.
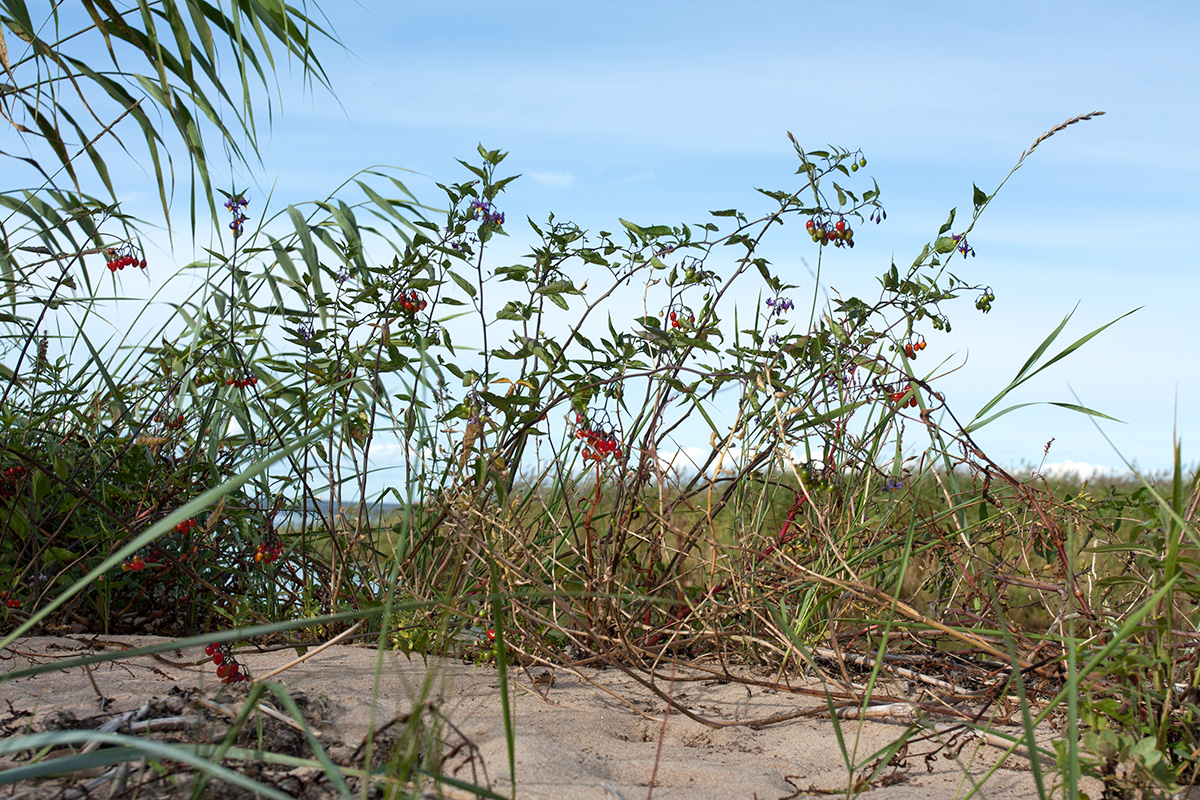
779,305
599,439
124,256
9,602
305,331
10,480
484,210
893,485
228,668
960,241
462,246
828,231
235,205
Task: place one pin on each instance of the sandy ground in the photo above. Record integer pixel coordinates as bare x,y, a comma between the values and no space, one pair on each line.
591,734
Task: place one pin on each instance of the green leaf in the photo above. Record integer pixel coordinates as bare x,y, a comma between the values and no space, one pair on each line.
979,198
464,284
517,312
1027,372
944,244
949,222
557,287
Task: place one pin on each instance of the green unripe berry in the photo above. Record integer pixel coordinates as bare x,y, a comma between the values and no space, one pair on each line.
862,162
854,167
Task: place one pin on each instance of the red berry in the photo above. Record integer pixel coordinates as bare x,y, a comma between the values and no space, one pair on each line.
142,263
841,225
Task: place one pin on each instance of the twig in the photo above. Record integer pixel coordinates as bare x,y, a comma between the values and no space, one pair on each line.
312,652
263,707
905,712
869,662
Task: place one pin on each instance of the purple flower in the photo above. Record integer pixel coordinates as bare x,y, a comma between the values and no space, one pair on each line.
481,208
235,205
960,241
780,305
893,485
305,331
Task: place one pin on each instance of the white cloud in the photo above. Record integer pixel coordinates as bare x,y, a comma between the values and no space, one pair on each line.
553,180
1079,469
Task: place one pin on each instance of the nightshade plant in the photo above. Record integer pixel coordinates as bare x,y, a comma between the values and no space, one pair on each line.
213,472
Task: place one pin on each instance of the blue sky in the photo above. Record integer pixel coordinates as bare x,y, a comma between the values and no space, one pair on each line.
661,111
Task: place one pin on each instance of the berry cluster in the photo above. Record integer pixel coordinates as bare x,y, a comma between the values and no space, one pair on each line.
228,668
912,348
984,301
235,206
170,423
599,439
269,550
186,526
135,564
828,231
681,318
411,302
10,480
122,257
9,602
854,165
900,395
243,382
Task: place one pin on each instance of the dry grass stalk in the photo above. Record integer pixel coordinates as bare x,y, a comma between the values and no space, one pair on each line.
1057,128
